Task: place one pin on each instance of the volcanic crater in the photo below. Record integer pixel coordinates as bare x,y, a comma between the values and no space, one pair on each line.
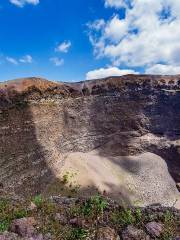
118,135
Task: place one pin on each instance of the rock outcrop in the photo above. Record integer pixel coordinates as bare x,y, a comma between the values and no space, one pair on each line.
119,134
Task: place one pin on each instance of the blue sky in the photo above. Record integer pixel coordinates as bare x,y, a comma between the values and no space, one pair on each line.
37,30
73,40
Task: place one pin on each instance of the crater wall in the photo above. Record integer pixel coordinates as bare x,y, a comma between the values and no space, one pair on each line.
43,123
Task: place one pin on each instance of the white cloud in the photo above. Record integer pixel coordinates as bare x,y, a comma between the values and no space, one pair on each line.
97,25
57,61
63,47
26,59
115,29
115,3
12,60
148,34
22,3
108,72
163,69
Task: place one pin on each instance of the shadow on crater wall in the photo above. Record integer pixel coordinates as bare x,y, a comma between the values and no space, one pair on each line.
23,167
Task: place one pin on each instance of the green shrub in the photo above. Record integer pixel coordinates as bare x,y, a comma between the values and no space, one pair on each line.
9,212
94,206
168,217
138,215
78,233
20,213
4,225
3,204
38,200
169,226
124,217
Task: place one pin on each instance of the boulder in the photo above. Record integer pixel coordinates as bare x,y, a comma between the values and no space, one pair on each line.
154,228
133,233
24,227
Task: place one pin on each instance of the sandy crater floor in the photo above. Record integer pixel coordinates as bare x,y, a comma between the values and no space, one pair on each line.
142,179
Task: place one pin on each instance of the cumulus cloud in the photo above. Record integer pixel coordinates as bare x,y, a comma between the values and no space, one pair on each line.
26,59
57,61
107,72
163,69
115,29
12,60
63,47
22,3
146,36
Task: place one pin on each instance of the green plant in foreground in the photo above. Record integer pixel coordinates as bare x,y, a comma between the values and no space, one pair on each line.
4,226
20,213
38,200
3,205
9,212
169,226
94,206
124,217
75,211
138,215
168,217
78,233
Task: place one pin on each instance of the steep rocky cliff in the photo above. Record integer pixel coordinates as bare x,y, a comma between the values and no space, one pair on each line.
119,134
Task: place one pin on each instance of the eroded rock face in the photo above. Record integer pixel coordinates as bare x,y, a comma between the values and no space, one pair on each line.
45,125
